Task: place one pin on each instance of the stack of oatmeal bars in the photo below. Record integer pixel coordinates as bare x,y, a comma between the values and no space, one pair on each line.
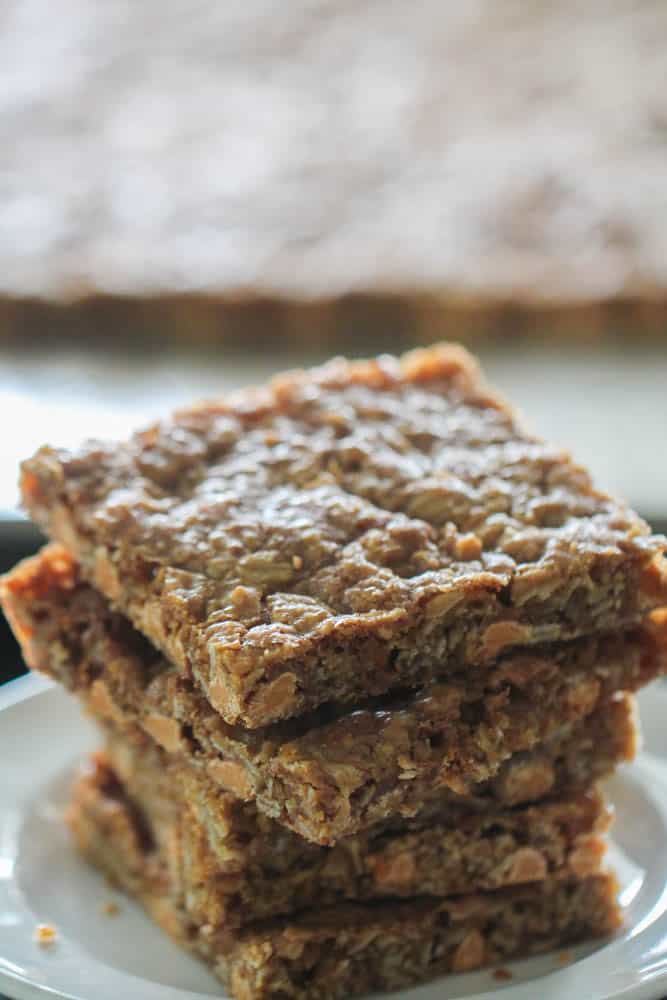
360,649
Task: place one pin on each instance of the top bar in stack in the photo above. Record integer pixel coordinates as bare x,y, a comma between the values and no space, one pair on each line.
343,532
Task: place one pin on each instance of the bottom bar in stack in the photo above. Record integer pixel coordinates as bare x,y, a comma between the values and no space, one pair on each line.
274,915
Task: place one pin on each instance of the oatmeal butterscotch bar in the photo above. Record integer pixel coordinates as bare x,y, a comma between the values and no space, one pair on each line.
325,775
239,866
350,948
345,532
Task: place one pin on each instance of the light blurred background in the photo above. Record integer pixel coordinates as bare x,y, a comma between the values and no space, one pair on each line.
194,196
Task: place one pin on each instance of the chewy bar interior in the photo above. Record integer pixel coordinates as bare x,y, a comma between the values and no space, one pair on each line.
566,765
324,778
240,866
335,951
344,532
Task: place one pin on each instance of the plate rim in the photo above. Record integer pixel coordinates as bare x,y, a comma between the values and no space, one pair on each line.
557,984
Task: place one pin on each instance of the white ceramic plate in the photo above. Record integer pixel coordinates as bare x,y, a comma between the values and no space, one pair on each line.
124,957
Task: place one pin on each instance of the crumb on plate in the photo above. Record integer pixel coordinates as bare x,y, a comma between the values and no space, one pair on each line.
502,974
45,934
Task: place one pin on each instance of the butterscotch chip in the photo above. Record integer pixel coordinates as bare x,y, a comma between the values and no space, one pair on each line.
470,954
275,698
395,872
221,697
526,865
654,577
246,601
439,605
105,575
354,519
64,525
167,732
501,635
102,702
525,780
30,484
583,696
587,856
232,777
468,547
659,616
